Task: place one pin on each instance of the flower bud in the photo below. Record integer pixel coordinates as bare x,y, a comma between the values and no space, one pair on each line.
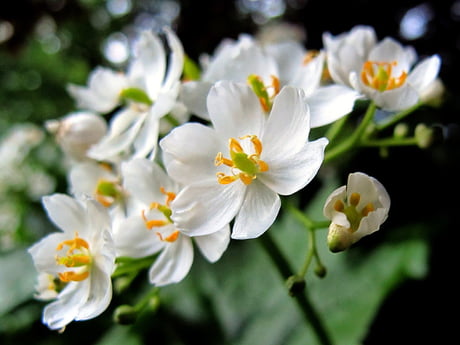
339,238
125,314
424,135
355,210
401,130
76,132
433,94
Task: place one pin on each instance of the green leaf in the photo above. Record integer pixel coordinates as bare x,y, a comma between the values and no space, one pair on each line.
191,69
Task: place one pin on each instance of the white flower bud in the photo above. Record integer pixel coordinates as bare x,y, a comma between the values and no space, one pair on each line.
77,132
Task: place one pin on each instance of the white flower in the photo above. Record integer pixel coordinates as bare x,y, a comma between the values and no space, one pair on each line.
383,71
355,210
149,228
99,181
276,65
151,89
82,256
238,168
77,132
103,92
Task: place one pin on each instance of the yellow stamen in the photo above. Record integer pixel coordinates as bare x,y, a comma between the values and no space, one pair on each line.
163,208
368,208
170,238
244,166
77,256
339,206
378,75
72,276
354,199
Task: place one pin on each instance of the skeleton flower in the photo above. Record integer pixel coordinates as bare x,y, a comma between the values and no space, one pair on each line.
355,210
237,168
383,72
149,228
147,92
80,258
275,65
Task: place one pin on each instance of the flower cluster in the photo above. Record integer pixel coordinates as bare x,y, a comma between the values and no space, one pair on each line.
146,182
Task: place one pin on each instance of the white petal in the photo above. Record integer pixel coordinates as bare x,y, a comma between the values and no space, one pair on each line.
258,212
149,65
424,73
288,125
84,177
133,239
176,59
389,50
64,310
189,152
43,252
147,138
330,103
308,76
206,207
100,294
289,56
65,212
144,179
235,110
194,94
287,175
174,262
98,220
213,246
397,99
338,194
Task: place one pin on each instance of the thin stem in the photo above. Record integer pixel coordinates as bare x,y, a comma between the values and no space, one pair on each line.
390,142
335,128
348,144
309,312
398,117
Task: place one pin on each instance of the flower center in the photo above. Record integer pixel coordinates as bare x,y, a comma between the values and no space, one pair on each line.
107,192
166,211
378,75
244,166
77,256
265,93
354,215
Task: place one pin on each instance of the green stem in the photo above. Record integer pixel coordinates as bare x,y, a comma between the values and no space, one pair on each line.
129,265
398,117
390,142
309,312
349,143
335,128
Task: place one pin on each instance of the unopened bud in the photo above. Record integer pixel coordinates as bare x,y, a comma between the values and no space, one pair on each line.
339,238
77,132
401,130
320,271
433,94
125,314
295,285
423,135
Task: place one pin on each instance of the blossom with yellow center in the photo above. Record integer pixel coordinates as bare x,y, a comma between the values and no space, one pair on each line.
81,256
267,155
355,210
149,229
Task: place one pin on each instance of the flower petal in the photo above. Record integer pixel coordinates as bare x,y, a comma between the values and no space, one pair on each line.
288,125
194,94
424,73
235,110
134,240
212,246
206,207
43,251
287,175
330,103
99,297
174,262
61,312
189,152
258,212
65,212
